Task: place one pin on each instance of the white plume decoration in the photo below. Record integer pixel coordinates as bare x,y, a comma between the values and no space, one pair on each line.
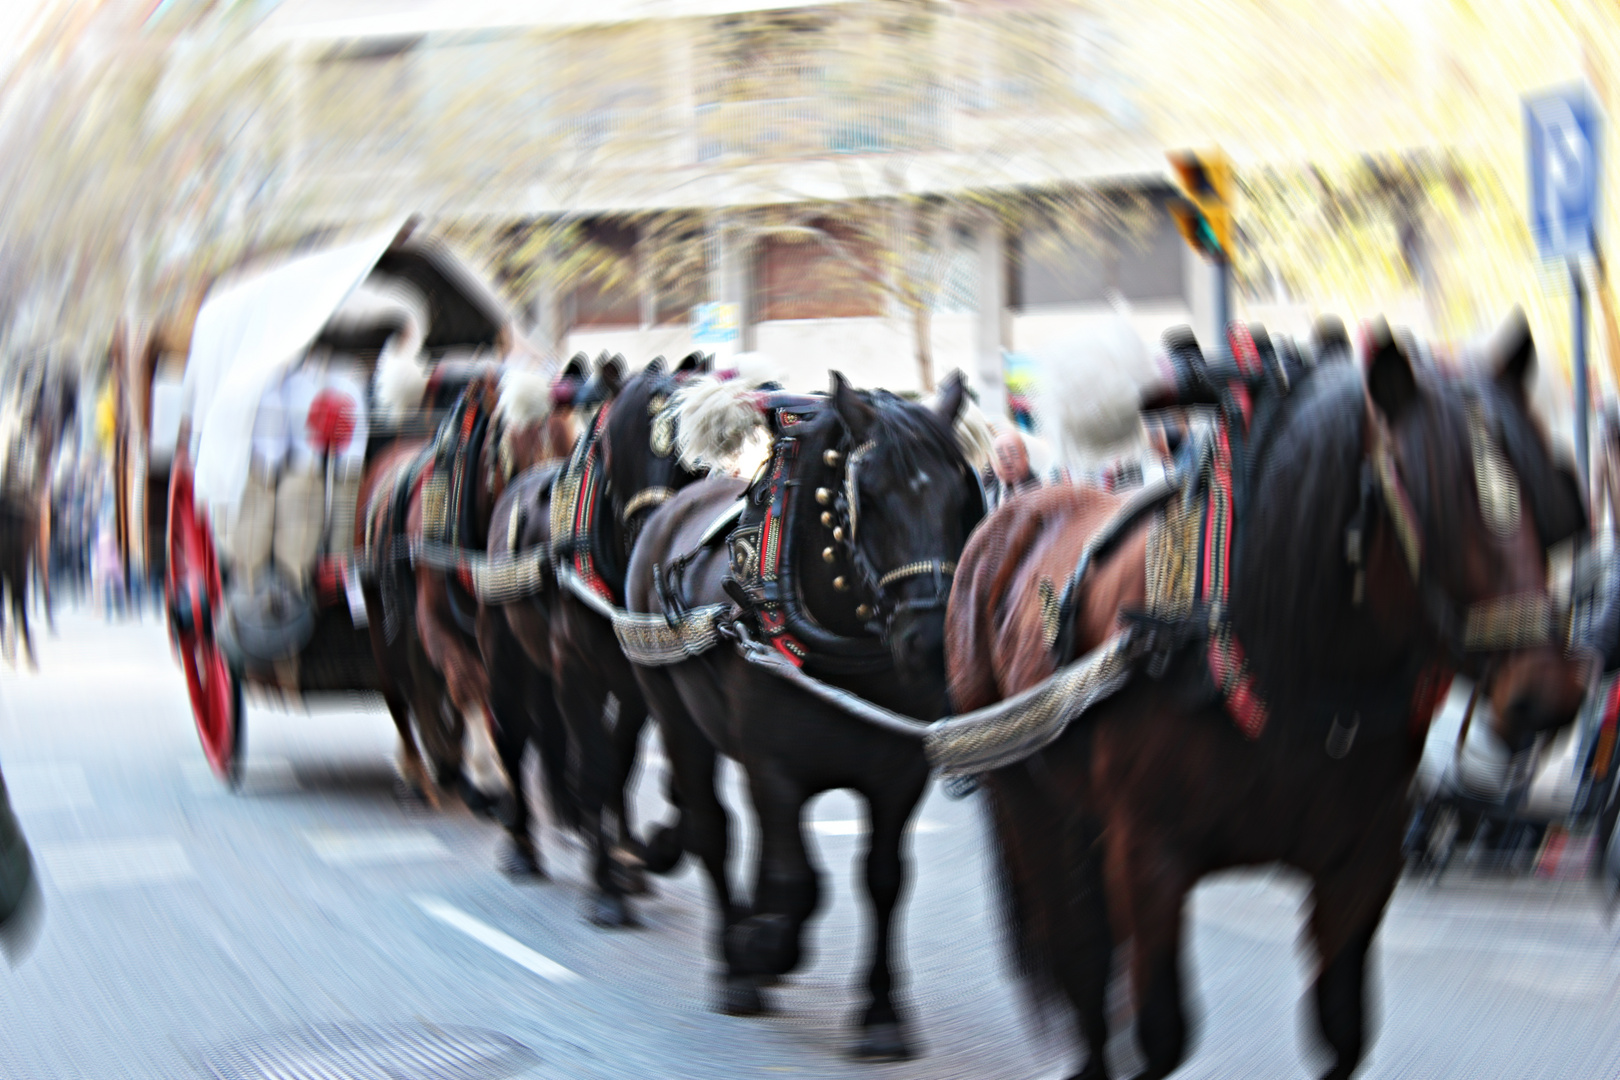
1090,386
975,435
525,397
714,418
401,380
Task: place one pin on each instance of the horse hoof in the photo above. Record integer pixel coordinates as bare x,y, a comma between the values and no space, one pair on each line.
664,850
409,795
611,913
882,1042
516,861
632,880
763,943
740,997
482,805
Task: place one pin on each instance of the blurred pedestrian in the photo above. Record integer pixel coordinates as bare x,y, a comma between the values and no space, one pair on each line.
1606,473
1009,466
107,570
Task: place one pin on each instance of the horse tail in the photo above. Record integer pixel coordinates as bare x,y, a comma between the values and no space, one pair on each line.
1053,914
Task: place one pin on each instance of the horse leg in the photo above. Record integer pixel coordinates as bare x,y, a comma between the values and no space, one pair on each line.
786,886
889,807
467,683
412,771
1086,960
704,829
1148,890
19,610
550,735
1349,904
513,727
580,702
630,856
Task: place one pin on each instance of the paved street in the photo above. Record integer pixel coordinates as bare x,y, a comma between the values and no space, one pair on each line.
193,932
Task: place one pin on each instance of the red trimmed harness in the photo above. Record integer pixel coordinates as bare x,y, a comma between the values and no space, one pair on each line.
1227,663
578,543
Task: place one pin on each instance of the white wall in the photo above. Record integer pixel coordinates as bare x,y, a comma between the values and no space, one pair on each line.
1035,327
869,351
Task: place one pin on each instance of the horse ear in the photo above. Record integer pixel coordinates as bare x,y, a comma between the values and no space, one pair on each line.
952,394
1390,381
612,374
655,366
1329,340
577,368
857,414
692,364
1514,352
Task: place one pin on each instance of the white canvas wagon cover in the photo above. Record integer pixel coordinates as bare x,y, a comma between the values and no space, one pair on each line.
252,330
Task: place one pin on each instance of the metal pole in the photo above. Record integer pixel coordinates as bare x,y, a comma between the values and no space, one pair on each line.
1582,394
1223,300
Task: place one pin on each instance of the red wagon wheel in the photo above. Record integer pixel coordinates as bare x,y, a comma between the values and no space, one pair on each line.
193,592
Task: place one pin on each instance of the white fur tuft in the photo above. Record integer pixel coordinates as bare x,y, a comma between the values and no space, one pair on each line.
975,435
714,419
401,380
525,398
1089,394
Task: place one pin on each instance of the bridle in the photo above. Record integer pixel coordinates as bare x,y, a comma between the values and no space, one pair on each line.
841,514
1471,633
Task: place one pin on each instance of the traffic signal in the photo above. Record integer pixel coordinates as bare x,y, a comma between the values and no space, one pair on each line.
1204,214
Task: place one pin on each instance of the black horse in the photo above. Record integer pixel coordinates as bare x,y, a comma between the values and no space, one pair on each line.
842,561
588,513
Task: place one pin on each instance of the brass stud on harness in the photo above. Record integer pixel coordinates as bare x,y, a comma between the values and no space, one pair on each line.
826,518
823,496
863,611
838,533
832,457
840,584
829,554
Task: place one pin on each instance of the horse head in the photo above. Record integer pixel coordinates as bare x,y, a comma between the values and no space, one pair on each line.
897,498
1477,499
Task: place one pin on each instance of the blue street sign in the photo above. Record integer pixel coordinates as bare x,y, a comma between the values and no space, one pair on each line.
1562,134
715,323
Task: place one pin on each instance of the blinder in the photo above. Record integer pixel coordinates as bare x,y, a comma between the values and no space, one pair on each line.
1498,624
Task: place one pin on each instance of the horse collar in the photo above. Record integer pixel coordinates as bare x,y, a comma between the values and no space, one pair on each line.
765,573
575,501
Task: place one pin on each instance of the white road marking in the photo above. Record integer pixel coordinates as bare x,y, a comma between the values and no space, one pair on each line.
45,787
260,776
366,847
857,827
82,865
509,947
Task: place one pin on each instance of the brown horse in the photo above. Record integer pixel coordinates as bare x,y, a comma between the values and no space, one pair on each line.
421,610
1387,532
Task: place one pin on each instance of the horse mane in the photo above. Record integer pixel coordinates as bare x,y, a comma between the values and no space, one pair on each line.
1290,571
914,424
